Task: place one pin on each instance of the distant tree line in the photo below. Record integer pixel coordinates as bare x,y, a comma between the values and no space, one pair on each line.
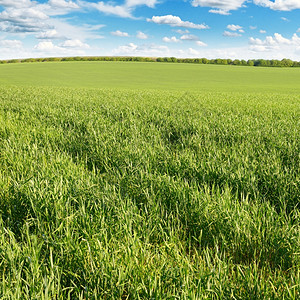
251,62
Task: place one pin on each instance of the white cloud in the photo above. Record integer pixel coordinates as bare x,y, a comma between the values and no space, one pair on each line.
118,10
298,30
16,4
252,27
234,27
224,6
185,37
50,34
47,46
180,31
69,31
231,34
22,15
142,50
130,48
125,10
133,3
141,35
276,42
10,49
262,31
189,37
201,44
23,20
219,12
221,6
75,44
172,39
284,5
69,47
193,51
175,21
27,17
63,4
120,33
11,44
284,19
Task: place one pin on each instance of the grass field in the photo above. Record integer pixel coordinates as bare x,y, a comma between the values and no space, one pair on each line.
155,76
149,181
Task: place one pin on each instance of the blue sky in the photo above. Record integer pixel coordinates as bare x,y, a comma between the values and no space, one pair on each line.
181,28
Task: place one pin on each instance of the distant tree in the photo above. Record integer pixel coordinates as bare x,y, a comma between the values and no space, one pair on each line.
296,64
286,63
204,61
28,60
243,62
250,63
236,62
224,61
13,61
218,61
260,63
198,60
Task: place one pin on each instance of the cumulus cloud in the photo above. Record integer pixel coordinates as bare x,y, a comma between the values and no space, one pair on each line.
234,27
180,31
193,52
125,10
63,4
16,3
201,44
25,16
133,3
22,15
47,46
11,44
224,7
23,20
189,37
120,33
75,44
12,49
172,39
220,6
262,31
69,47
231,34
175,21
50,34
141,35
142,50
273,43
118,10
219,12
283,5
185,37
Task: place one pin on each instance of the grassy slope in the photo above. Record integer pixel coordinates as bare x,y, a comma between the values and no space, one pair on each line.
160,76
108,194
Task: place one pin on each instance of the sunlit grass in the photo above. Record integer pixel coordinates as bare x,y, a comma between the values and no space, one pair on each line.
110,194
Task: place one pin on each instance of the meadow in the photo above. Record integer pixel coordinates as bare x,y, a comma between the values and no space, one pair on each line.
149,181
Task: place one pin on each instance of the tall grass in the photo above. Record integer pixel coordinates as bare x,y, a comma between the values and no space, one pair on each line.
110,194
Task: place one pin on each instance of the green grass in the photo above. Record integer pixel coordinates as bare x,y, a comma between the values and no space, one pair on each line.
138,193
158,76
